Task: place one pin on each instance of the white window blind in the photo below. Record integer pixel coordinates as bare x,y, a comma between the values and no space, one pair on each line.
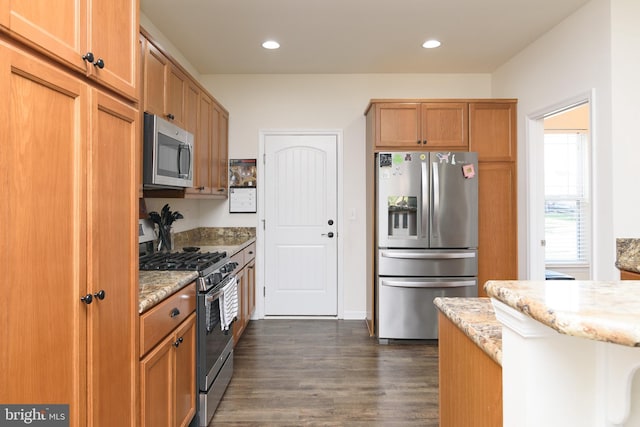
567,205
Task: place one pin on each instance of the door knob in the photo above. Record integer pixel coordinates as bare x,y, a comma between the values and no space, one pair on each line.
330,222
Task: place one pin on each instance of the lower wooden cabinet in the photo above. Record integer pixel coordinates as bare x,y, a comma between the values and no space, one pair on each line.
470,382
246,291
629,275
168,374
497,223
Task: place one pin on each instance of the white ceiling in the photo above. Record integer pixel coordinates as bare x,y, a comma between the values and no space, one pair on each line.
353,36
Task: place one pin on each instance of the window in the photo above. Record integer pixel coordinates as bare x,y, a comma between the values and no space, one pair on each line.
566,191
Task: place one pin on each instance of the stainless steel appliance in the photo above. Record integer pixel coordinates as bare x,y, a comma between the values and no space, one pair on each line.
214,338
167,154
427,238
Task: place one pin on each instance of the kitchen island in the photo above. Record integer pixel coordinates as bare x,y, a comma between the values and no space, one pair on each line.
470,355
570,352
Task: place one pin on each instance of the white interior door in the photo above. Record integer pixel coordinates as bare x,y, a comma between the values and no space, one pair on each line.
301,225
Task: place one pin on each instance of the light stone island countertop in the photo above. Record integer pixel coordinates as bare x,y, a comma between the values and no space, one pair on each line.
601,311
155,286
477,320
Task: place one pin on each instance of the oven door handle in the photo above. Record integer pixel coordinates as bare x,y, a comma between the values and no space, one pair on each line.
214,296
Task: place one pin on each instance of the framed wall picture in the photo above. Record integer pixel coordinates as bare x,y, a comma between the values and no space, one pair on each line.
242,186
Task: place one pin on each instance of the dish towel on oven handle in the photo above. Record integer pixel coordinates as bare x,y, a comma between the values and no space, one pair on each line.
229,304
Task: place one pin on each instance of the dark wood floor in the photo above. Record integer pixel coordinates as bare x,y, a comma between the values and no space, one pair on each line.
328,373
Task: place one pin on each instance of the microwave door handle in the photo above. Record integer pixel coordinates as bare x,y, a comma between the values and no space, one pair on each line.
183,147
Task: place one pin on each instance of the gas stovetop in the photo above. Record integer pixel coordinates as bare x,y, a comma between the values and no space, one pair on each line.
204,262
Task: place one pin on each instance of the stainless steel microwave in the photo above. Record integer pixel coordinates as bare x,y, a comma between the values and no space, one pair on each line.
167,154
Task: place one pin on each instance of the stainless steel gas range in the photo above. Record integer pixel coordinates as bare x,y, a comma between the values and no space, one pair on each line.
216,310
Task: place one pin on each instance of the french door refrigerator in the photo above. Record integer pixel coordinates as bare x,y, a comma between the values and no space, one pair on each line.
427,238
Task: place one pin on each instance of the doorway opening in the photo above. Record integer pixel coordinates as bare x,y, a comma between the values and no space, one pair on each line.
560,197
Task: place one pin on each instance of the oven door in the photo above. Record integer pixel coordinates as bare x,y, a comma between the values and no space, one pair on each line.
214,343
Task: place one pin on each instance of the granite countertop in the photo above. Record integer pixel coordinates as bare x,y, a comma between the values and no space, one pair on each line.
477,320
601,311
155,286
628,254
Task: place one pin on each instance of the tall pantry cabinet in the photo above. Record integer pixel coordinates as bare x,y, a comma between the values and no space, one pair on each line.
69,204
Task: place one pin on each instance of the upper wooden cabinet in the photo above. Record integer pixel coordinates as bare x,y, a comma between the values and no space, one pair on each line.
492,130
70,150
421,125
96,37
165,87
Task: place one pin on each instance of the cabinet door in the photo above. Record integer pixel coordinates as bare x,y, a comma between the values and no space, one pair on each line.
238,325
251,285
444,125
156,385
155,64
219,152
185,372
113,38
203,141
497,230
59,30
112,256
175,95
492,131
42,162
397,125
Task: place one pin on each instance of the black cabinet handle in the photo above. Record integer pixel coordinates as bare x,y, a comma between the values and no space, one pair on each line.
175,312
100,294
99,63
88,57
178,342
171,116
87,299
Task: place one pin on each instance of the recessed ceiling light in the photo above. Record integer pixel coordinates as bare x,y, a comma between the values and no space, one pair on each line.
430,44
271,44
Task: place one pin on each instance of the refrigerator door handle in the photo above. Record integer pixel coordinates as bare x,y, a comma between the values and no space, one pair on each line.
421,255
435,229
433,284
425,199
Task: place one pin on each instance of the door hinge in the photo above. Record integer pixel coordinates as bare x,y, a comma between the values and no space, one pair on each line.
264,291
264,227
264,158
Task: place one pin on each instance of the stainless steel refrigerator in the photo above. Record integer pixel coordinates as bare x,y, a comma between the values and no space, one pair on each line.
427,238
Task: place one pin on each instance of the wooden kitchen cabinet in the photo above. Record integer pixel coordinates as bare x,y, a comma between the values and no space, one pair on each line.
485,126
165,87
68,162
246,289
420,125
470,382
629,275
168,374
492,131
497,223
68,32
172,93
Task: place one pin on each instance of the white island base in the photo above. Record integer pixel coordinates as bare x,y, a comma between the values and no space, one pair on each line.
555,380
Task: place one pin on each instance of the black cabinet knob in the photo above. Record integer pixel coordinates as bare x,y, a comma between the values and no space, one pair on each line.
100,294
87,299
99,63
171,116
88,57
175,312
